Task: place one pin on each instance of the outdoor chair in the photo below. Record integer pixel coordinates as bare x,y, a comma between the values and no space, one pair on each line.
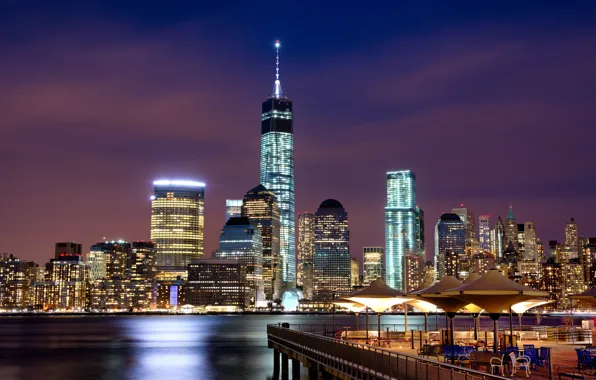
519,362
451,353
496,363
584,359
464,354
511,349
527,346
423,350
532,354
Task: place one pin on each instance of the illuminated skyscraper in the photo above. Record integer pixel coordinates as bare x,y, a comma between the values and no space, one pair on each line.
277,168
332,260
306,242
484,232
241,240
450,244
468,218
233,208
67,249
511,230
260,206
374,261
355,274
571,239
413,272
69,275
402,225
177,224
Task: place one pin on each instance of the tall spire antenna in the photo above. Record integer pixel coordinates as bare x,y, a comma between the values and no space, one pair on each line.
277,92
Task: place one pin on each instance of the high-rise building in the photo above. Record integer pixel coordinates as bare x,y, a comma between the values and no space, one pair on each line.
450,244
109,269
482,262
233,208
530,242
16,282
413,272
332,259
511,230
402,221
67,249
177,224
143,271
277,168
468,218
590,261
484,232
241,240
306,242
260,206
571,239
308,280
69,275
217,282
355,273
374,261
497,240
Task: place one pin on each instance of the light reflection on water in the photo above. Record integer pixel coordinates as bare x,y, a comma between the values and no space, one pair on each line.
157,347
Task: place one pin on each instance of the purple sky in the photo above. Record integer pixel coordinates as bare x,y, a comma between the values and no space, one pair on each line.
484,114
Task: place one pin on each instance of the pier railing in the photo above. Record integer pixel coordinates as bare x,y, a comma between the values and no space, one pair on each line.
352,358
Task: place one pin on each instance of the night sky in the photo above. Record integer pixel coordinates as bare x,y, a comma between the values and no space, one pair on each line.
487,104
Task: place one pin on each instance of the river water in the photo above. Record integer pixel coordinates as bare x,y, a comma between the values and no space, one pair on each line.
177,347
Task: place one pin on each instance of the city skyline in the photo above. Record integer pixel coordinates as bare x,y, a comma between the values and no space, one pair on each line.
176,101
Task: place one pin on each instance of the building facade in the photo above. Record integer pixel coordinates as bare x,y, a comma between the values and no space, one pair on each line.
332,259
177,224
260,206
511,230
355,273
277,169
217,282
233,208
484,232
241,240
413,272
67,249
450,244
306,243
374,262
402,222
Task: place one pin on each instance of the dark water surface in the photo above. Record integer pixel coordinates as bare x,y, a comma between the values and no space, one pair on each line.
177,347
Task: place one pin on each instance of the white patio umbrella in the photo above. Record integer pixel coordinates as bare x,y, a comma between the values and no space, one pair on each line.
378,296
494,293
354,307
521,307
423,306
473,309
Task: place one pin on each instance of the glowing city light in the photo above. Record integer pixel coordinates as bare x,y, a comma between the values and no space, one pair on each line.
178,182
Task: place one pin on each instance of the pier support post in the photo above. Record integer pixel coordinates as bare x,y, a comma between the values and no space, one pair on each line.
275,364
295,369
285,366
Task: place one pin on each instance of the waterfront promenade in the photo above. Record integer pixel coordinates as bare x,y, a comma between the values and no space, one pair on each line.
329,357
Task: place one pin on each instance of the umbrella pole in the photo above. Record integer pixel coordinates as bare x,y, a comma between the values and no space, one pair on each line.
379,327
519,318
510,328
475,317
495,318
425,322
366,324
357,320
406,318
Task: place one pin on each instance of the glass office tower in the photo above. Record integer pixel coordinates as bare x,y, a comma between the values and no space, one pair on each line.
277,170
177,223
306,243
332,260
402,225
450,244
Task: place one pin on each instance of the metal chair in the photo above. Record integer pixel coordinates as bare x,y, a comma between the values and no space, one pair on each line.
520,362
498,364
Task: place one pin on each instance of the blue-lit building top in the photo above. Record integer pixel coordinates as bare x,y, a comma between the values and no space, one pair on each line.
277,170
404,225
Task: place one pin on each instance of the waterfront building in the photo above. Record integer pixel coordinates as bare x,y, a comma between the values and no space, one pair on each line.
403,225
332,259
233,208
413,272
177,224
277,168
374,261
16,282
590,262
306,243
241,240
450,244
171,294
552,280
511,230
69,275
308,282
67,249
143,272
355,273
482,262
217,282
484,235
260,206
